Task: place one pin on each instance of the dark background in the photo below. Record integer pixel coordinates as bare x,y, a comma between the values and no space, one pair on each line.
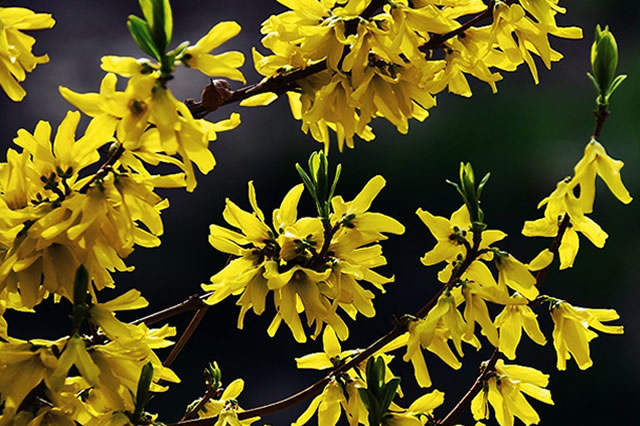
528,136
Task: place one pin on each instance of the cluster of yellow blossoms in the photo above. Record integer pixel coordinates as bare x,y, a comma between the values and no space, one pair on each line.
311,265
61,213
16,57
107,364
379,58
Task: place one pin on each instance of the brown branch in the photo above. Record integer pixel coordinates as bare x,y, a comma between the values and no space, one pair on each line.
601,114
472,392
186,335
105,168
192,303
210,393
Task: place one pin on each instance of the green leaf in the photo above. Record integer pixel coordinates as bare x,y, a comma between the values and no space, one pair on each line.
142,393
616,82
142,36
162,24
335,181
388,393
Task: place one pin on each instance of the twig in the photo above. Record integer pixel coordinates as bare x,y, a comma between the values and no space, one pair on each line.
472,392
105,168
601,114
192,303
186,335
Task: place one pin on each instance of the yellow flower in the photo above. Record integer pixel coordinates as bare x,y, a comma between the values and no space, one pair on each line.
532,37
504,391
572,334
560,202
442,323
418,412
516,275
380,65
515,317
16,58
223,65
23,365
453,235
342,393
596,162
226,407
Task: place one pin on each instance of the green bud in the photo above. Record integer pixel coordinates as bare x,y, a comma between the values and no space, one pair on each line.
317,181
604,57
604,63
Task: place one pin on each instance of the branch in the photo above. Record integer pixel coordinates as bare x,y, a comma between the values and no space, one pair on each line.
192,303
472,392
186,335
105,168
601,114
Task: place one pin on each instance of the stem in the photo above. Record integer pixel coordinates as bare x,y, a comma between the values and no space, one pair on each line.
104,168
472,392
192,303
205,398
186,335
601,114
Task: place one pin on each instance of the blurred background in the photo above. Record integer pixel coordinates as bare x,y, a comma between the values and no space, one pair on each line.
527,136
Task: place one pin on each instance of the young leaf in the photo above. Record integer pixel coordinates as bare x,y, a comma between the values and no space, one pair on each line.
142,36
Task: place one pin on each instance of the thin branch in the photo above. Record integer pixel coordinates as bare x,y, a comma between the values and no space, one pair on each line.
472,392
601,114
105,168
192,303
210,393
186,335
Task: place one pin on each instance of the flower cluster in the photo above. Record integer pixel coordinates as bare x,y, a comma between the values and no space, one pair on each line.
343,392
54,220
379,59
108,365
147,120
311,265
16,57
505,391
568,205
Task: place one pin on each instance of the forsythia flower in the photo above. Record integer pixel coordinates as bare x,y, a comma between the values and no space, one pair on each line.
418,412
226,407
515,317
442,323
572,334
453,236
305,272
371,63
16,58
564,201
504,391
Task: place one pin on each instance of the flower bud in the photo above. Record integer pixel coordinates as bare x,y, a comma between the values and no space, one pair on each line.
604,59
